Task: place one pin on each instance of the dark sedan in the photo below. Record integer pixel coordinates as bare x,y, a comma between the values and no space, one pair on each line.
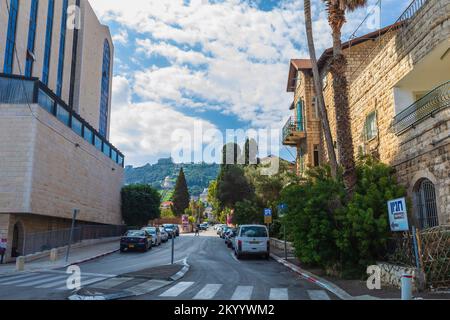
136,240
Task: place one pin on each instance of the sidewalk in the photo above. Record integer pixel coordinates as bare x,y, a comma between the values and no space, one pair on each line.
354,289
77,255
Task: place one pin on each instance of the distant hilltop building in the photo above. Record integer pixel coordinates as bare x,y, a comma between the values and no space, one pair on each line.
55,107
165,161
168,183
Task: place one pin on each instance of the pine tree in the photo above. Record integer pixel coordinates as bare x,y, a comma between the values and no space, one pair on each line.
180,195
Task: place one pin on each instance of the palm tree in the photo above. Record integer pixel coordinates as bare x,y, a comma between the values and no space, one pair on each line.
319,89
338,67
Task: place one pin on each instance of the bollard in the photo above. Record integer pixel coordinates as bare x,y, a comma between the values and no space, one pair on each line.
20,263
406,287
53,255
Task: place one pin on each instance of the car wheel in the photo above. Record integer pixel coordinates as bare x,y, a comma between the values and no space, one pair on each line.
238,255
267,256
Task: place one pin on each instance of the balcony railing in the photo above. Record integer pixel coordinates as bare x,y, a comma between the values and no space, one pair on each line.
292,127
20,90
427,106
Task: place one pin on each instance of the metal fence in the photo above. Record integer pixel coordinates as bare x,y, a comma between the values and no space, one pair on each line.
42,241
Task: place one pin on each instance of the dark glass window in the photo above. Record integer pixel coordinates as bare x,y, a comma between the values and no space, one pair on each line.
88,135
45,101
48,42
77,126
114,155
98,142
316,156
106,149
31,38
120,160
104,96
62,46
62,114
11,36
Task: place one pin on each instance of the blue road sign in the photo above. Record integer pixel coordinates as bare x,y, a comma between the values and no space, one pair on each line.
398,217
267,212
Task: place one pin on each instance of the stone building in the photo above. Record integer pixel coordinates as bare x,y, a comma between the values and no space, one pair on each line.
56,62
399,94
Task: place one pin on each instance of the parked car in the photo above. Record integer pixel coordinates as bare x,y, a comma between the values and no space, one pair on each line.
219,228
170,231
252,240
156,235
136,240
204,226
229,237
223,231
174,227
164,235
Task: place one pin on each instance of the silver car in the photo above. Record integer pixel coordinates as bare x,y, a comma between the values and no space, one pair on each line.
156,235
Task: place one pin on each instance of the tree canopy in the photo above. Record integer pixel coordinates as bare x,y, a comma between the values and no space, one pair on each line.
140,204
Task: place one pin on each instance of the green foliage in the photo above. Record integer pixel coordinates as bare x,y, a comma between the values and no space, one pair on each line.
198,175
180,195
232,186
167,213
341,235
248,212
140,203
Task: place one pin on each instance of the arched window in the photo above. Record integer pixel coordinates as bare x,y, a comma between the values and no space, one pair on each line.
426,207
13,8
104,95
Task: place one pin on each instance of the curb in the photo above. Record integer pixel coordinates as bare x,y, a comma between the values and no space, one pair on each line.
126,293
340,293
90,258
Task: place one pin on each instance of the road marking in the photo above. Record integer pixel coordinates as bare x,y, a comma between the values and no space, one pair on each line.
177,289
83,283
279,294
242,293
15,277
208,292
53,284
234,257
24,280
42,281
113,282
148,286
318,295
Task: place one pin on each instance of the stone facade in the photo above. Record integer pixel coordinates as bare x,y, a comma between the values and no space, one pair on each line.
46,169
387,73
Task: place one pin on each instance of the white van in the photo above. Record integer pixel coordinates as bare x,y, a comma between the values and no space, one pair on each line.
252,240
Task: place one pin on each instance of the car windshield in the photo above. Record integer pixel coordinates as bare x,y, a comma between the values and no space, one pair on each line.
136,233
254,232
151,230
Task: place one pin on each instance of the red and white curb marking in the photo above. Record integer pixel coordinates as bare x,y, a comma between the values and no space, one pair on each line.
314,279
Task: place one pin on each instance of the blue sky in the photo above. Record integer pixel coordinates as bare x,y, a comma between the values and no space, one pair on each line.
215,64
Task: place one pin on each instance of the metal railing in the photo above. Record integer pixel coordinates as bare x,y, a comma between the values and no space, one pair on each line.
291,126
21,90
427,106
43,241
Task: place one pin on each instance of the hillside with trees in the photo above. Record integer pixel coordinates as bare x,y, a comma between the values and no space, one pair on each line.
198,175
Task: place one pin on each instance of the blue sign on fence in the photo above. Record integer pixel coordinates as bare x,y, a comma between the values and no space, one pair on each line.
398,217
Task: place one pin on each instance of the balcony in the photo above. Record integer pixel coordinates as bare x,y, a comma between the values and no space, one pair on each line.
293,132
21,90
426,107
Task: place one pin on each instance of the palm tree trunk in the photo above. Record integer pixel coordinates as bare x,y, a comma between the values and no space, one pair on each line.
319,90
338,70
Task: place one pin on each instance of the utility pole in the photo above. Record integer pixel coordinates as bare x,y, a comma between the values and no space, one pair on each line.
74,217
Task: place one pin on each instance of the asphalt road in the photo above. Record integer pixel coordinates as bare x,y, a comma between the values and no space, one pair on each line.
214,274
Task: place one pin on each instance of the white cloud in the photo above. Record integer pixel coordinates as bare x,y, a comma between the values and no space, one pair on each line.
142,131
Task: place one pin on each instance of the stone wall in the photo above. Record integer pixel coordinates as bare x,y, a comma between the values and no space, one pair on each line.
371,88
48,170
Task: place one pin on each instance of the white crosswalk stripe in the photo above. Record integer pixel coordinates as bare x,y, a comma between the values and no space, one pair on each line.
208,292
177,289
46,280
278,294
242,293
318,295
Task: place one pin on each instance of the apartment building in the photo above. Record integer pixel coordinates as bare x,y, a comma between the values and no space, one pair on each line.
399,94
56,62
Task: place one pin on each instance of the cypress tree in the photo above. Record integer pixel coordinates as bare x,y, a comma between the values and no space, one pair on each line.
180,195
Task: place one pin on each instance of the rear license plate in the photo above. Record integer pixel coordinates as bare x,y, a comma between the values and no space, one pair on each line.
131,246
254,242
